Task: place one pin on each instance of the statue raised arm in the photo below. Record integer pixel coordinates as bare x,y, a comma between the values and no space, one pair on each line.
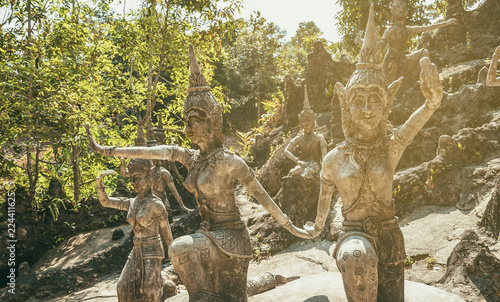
370,251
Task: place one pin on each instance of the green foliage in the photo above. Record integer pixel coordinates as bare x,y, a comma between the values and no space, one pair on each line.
250,68
292,59
409,261
431,261
67,62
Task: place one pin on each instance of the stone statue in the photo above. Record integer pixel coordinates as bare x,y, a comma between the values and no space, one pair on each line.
491,79
213,262
312,145
396,63
161,176
370,250
141,278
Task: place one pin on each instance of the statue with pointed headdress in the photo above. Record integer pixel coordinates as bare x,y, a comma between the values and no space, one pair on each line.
396,62
213,262
311,145
141,278
370,251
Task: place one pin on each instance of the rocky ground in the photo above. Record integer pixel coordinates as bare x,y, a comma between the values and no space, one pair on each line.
86,267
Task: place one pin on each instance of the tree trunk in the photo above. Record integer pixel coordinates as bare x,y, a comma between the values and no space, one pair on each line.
76,173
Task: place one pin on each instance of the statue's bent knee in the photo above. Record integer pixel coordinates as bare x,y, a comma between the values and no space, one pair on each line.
357,261
180,246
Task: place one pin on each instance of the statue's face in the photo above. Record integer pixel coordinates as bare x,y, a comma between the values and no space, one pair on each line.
138,180
399,13
197,127
366,106
307,124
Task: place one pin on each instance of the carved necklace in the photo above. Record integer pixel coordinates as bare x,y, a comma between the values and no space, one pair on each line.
365,155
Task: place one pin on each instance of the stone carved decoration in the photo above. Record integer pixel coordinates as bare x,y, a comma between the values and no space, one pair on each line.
491,79
370,251
312,145
141,279
213,262
396,63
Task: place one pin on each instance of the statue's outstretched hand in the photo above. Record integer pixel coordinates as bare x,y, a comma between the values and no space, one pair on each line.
94,146
298,231
310,227
105,173
280,280
430,85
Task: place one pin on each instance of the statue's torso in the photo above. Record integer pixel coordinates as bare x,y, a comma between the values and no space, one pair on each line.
366,187
142,216
310,147
397,36
213,185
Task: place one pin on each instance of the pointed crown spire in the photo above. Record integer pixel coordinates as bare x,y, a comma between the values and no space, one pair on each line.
197,81
370,54
307,111
199,96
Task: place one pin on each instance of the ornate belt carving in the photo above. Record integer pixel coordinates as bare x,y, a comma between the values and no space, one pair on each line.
371,225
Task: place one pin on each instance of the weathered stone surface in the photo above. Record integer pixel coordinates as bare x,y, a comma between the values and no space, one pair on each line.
76,264
471,107
472,263
491,215
298,198
475,37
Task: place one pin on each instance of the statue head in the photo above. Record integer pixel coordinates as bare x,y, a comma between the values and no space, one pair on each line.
366,100
307,117
399,11
140,174
202,112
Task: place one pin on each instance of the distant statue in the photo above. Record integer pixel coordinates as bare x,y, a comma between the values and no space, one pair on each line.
141,279
312,145
213,262
370,251
396,62
491,79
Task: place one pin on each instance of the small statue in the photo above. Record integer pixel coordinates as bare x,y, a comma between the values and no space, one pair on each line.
141,279
312,145
491,79
161,176
213,262
396,63
370,251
